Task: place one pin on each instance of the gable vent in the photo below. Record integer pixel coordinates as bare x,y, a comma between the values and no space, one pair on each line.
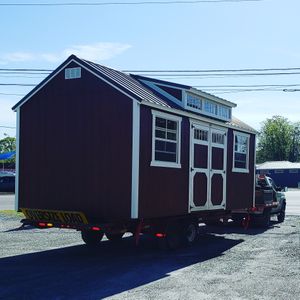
72,73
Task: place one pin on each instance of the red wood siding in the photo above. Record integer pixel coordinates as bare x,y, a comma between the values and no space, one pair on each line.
76,147
162,191
240,185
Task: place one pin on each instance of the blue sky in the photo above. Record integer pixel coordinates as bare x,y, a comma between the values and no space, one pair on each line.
233,35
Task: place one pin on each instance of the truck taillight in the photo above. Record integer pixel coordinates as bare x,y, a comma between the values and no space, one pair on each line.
42,224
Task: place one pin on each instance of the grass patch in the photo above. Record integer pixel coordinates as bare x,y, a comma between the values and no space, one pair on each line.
12,213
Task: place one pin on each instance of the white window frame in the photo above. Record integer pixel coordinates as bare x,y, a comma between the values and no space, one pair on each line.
241,170
166,164
73,73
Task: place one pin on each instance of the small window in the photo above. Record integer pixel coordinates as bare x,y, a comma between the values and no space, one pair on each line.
166,140
211,107
201,135
241,152
293,171
72,73
194,101
218,138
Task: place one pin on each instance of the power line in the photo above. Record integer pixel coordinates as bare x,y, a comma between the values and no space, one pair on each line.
140,3
17,84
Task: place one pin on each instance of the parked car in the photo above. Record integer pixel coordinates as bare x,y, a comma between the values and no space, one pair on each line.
7,183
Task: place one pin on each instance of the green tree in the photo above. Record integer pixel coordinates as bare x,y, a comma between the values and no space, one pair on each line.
8,144
275,140
295,147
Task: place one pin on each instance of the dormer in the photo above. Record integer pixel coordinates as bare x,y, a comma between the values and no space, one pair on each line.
189,98
207,104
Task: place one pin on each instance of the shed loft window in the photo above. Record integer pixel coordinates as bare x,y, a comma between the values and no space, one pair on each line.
72,73
207,107
166,136
241,152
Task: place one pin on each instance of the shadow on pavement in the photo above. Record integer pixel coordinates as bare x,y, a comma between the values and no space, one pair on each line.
79,272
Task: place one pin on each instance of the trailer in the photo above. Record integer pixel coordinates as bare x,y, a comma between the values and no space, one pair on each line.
106,152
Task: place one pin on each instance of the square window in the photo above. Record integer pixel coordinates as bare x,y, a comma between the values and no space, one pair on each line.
166,140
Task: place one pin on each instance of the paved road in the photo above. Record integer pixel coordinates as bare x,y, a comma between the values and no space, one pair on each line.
293,202
7,201
226,263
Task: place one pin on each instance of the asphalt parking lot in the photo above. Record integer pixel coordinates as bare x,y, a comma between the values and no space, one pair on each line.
227,263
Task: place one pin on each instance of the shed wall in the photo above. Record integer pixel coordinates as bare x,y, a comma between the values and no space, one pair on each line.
76,148
240,186
162,191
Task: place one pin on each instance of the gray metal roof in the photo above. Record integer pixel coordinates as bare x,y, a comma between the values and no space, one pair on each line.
235,122
275,165
129,84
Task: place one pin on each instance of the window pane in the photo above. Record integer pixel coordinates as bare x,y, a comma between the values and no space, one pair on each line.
160,123
240,160
171,147
171,136
171,125
164,156
160,134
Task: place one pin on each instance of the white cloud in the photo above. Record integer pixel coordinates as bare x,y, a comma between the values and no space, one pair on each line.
95,52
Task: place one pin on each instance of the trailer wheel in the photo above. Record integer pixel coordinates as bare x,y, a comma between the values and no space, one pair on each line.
114,237
281,215
190,233
91,238
173,237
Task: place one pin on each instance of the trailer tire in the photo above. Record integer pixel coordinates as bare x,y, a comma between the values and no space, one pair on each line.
173,237
114,237
281,215
190,233
91,238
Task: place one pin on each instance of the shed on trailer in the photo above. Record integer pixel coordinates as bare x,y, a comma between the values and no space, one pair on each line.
118,146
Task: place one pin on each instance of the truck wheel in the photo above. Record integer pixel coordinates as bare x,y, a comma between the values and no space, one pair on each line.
263,220
114,237
190,233
92,238
281,215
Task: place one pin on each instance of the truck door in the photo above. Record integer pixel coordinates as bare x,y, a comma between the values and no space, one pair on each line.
207,167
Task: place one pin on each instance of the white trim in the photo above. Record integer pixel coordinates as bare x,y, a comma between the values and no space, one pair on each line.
195,117
60,69
163,92
156,163
203,100
135,159
209,172
241,170
17,161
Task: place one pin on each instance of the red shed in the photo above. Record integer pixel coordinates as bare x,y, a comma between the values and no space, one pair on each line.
118,146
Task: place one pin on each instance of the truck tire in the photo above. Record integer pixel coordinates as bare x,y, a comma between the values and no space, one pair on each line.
190,233
263,220
281,215
114,237
92,238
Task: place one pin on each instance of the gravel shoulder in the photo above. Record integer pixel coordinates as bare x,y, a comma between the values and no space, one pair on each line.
226,263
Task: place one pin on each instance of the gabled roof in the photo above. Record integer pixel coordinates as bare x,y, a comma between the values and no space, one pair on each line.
275,165
130,85
122,81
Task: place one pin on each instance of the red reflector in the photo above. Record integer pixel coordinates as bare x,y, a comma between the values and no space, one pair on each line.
160,235
253,209
42,224
96,228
